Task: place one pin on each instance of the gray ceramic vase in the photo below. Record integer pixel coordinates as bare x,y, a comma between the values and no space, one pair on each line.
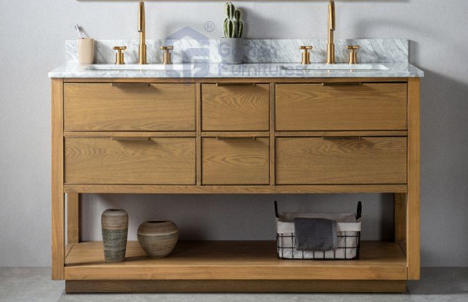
158,238
231,50
114,234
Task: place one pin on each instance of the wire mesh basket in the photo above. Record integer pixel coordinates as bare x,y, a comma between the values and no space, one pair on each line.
348,236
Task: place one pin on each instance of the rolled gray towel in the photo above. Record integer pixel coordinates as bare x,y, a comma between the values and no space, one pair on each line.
315,234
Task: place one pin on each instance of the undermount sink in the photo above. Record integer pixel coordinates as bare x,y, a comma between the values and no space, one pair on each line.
136,67
331,67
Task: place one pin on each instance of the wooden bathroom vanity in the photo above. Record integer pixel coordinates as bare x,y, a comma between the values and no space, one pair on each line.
234,136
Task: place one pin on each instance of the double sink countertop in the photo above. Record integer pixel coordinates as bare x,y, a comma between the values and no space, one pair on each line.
266,58
254,70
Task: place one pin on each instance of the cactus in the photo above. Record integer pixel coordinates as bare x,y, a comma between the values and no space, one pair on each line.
233,25
229,10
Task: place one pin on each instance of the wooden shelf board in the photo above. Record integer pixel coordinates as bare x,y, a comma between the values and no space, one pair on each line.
233,260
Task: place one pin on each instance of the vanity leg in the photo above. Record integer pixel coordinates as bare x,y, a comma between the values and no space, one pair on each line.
400,220
73,217
412,200
57,194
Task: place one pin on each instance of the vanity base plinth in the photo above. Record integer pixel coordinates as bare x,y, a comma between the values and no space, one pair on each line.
235,286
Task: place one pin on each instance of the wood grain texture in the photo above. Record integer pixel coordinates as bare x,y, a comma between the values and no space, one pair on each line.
400,220
235,161
198,133
102,107
73,217
238,189
84,134
413,208
369,160
339,133
233,260
236,286
57,194
235,108
307,107
384,111
106,161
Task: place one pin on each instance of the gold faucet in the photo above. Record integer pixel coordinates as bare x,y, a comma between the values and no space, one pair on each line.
119,56
167,58
142,31
305,54
331,33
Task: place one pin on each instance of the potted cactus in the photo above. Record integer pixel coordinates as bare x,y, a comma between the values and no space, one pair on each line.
231,47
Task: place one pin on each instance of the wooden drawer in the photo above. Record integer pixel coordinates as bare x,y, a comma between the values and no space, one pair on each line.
235,161
103,160
235,108
129,107
314,160
370,106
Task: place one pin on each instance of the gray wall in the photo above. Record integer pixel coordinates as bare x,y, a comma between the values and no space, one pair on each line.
32,35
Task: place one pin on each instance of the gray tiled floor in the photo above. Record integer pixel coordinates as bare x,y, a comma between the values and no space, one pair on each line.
34,284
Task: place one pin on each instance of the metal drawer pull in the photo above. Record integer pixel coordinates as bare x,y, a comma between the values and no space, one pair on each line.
341,137
235,84
130,85
253,138
341,84
130,138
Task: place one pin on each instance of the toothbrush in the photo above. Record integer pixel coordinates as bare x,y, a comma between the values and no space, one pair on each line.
77,28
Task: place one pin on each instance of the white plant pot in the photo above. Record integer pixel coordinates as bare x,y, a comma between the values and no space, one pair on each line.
231,50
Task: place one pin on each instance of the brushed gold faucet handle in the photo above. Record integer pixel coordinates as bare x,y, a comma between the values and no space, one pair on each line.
305,54
119,56
353,53
167,56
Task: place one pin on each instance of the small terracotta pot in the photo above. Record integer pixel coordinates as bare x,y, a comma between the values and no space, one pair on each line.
114,234
158,238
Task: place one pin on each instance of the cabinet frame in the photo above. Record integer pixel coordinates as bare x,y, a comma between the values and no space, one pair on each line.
407,204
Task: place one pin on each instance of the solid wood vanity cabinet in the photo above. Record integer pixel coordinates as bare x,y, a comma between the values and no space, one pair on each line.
234,136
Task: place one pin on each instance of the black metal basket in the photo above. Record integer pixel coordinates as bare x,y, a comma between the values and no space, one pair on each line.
348,243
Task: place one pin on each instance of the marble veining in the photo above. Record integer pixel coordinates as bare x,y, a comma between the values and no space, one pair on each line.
203,70
199,57
189,50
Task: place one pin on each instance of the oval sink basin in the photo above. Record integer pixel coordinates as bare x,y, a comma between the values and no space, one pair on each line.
331,67
136,67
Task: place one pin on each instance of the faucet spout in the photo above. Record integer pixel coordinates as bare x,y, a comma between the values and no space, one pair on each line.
331,33
142,31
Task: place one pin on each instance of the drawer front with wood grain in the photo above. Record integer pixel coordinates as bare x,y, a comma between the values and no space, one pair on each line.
235,161
129,107
236,107
355,106
316,160
105,160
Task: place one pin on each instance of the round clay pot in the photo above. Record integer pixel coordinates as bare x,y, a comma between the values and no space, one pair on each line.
158,238
114,234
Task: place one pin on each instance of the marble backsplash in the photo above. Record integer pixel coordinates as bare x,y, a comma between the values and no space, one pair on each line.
255,50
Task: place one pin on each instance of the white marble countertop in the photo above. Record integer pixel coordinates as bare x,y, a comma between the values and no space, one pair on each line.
265,70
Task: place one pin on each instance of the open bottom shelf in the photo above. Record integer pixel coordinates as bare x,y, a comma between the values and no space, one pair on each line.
232,260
